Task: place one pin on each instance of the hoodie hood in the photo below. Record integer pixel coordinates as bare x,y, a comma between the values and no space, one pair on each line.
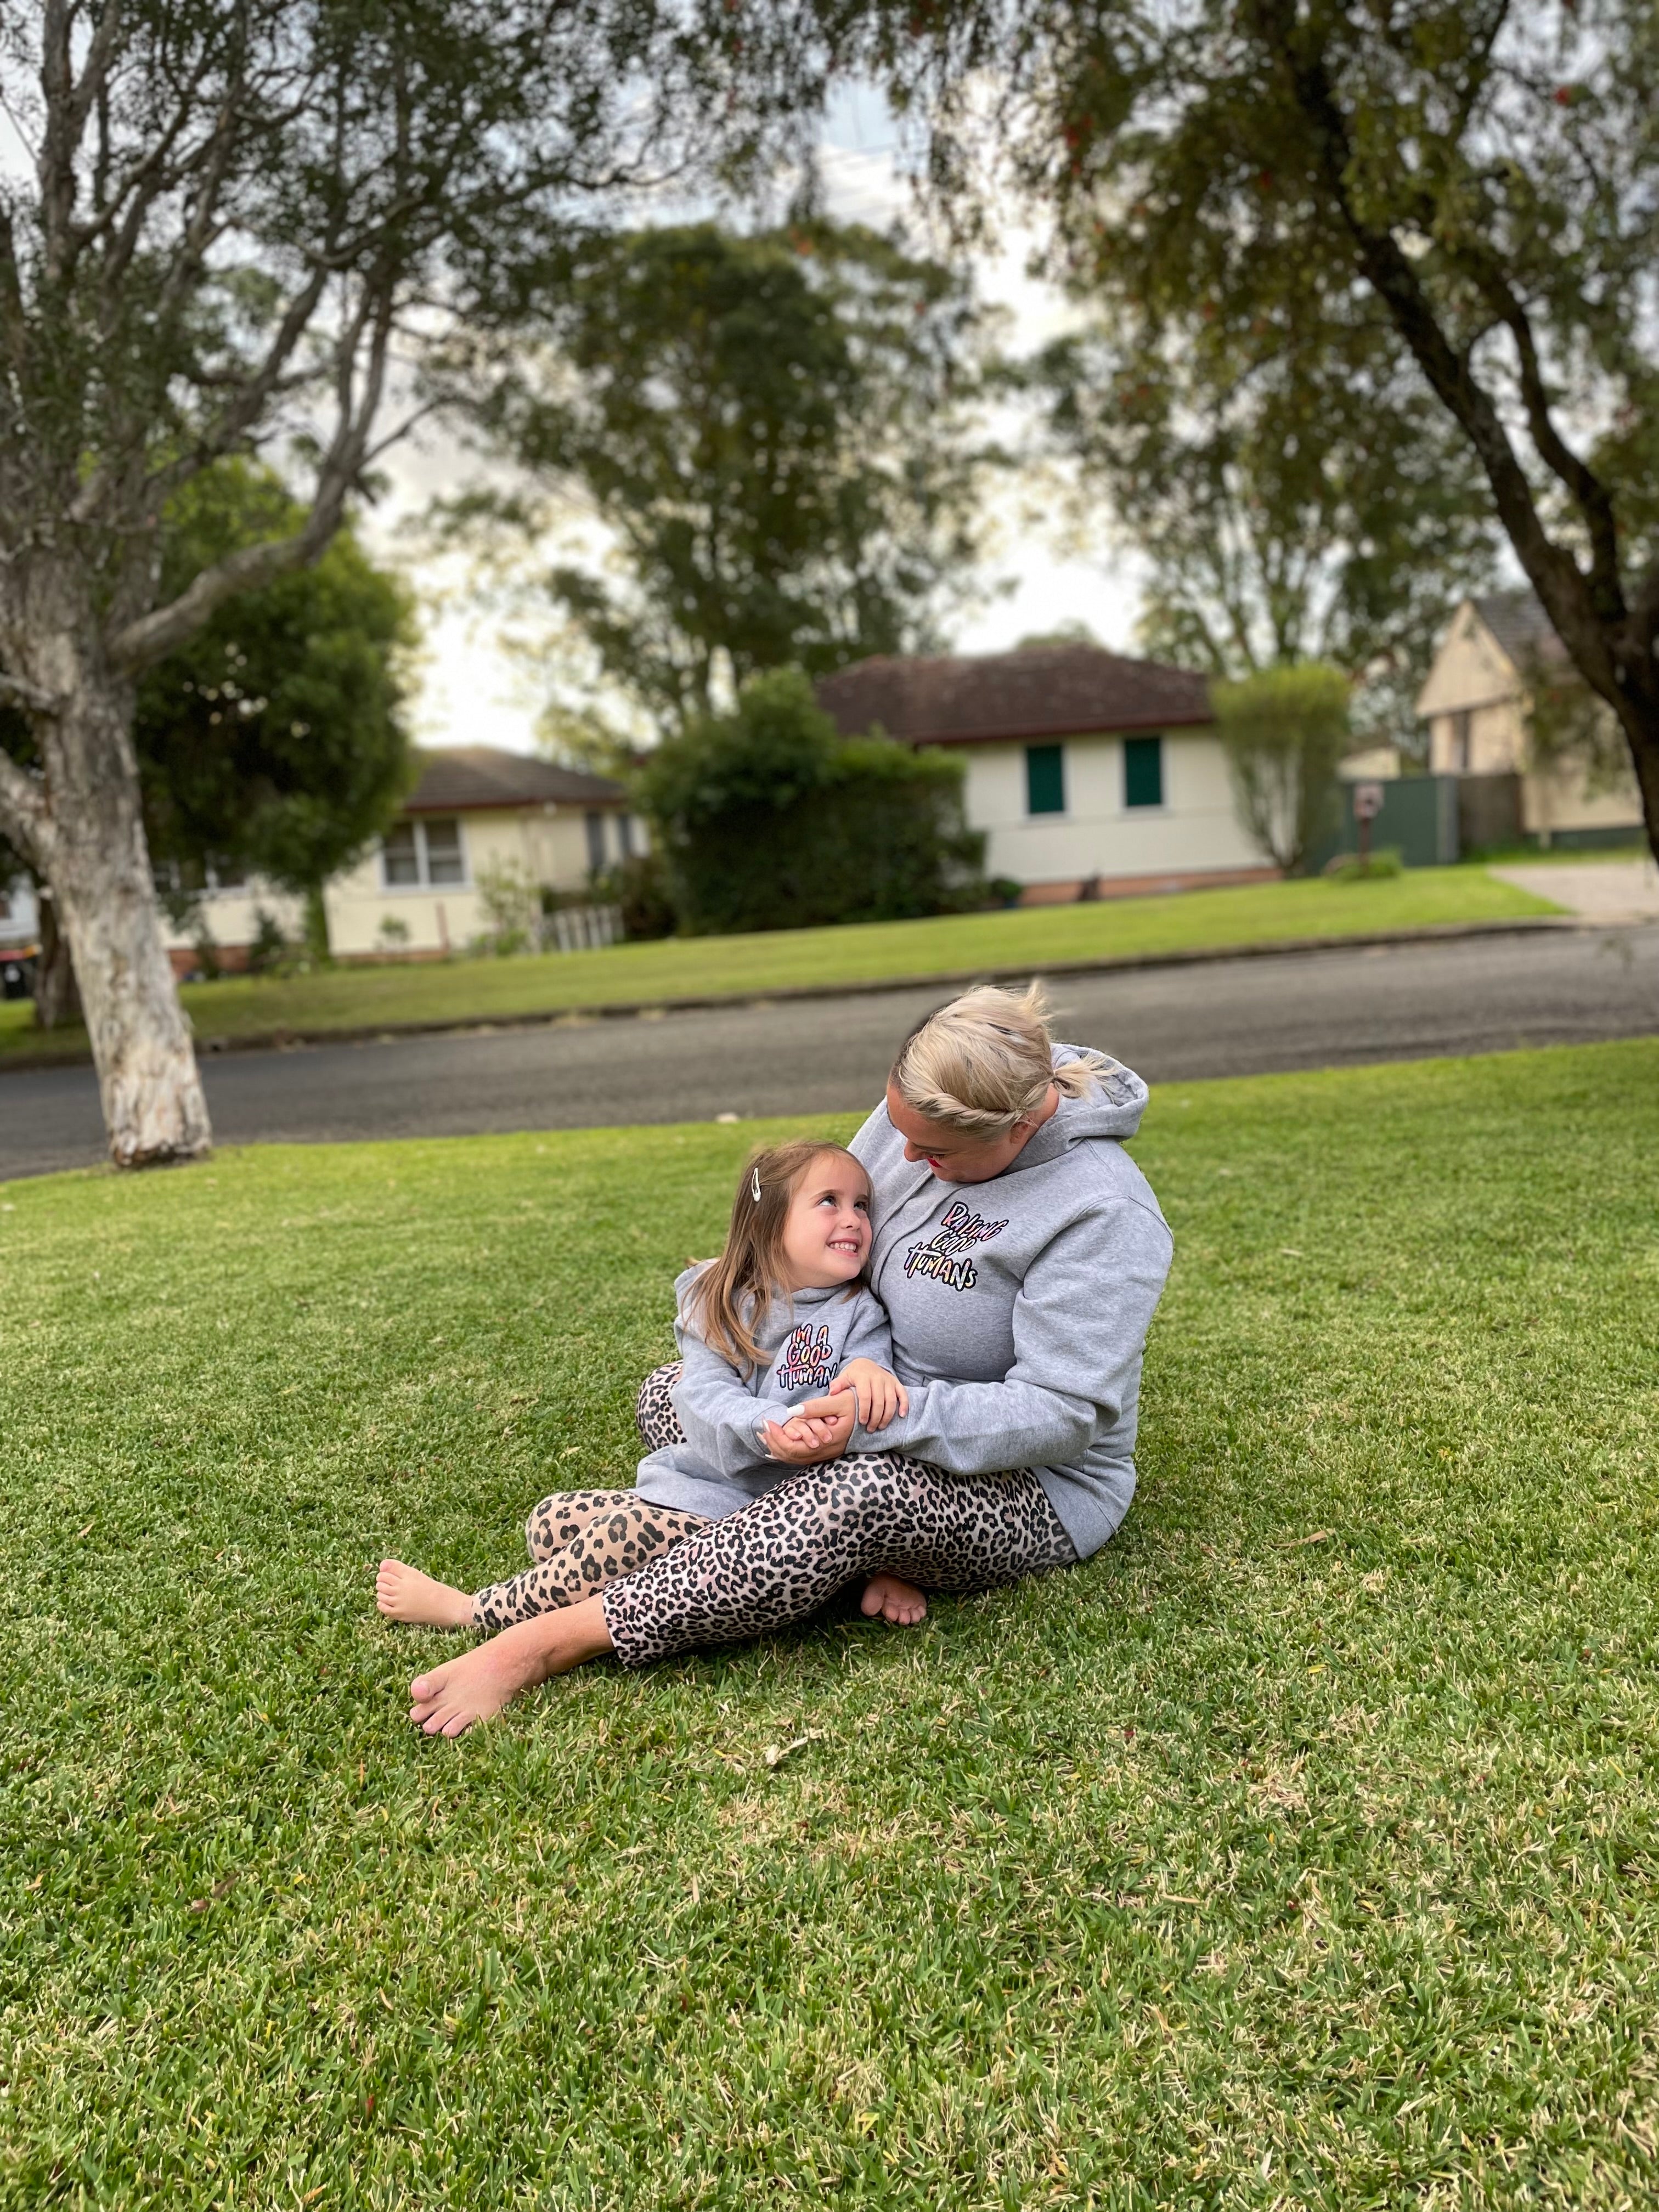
1112,1108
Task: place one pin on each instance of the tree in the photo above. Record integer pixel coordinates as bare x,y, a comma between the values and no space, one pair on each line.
1293,502
776,430
243,221
1480,176
767,818
273,739
271,742
1284,730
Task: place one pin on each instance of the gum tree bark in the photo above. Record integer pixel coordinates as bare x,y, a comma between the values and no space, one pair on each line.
244,224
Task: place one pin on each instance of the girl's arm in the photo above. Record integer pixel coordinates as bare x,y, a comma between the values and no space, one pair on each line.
720,1417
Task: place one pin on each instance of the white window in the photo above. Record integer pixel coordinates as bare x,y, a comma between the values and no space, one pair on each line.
428,851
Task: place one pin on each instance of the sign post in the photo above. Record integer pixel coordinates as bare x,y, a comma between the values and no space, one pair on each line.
1367,805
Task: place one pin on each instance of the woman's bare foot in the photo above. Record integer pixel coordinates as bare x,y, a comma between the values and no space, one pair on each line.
900,1602
476,1686
405,1593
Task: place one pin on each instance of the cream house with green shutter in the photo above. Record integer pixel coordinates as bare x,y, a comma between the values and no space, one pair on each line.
1091,773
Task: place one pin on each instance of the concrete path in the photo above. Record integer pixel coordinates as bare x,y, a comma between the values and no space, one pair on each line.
1599,891
816,1056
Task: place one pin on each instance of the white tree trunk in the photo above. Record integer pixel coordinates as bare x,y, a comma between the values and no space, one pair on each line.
105,896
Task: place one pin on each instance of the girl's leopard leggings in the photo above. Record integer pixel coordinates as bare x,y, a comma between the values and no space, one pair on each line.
673,1582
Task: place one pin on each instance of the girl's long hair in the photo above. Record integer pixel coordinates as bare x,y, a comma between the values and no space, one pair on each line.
729,1300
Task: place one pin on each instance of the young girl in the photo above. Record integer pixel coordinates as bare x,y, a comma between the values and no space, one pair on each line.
784,1314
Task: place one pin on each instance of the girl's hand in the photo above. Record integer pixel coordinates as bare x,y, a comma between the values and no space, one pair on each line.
814,1432
880,1395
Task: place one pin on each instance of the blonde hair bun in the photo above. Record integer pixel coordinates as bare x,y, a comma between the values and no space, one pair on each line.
985,1062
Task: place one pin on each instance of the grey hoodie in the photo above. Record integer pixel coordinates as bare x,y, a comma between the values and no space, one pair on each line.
722,1465
1019,1307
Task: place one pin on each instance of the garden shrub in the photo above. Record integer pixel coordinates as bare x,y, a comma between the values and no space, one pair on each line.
767,818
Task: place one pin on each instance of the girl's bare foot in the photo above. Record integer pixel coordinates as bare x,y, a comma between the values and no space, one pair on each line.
900,1602
405,1593
476,1686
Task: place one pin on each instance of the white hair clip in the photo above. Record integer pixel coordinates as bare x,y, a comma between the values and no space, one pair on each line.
754,1184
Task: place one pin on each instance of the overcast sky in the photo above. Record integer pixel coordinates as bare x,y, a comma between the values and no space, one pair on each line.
471,690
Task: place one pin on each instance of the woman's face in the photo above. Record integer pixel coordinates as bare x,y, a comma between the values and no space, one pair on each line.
953,1156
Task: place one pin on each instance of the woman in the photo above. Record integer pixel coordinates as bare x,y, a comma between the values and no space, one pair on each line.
1021,1254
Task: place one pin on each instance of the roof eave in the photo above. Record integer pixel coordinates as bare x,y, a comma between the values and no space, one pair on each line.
1020,733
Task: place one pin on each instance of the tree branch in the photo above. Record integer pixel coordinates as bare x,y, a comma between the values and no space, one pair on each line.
24,818
1560,584
1589,493
152,637
25,694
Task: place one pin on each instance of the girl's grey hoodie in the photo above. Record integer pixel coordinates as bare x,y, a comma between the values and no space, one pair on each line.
807,1340
1019,1307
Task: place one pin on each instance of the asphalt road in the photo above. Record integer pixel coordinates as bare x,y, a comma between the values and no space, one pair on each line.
1175,1025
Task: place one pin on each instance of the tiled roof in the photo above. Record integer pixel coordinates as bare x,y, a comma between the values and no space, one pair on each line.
1519,623
466,778
1050,692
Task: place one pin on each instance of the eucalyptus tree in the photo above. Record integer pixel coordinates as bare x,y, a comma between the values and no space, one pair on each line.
780,431
1481,175
230,224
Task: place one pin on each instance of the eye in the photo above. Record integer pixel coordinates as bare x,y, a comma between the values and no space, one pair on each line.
862,1204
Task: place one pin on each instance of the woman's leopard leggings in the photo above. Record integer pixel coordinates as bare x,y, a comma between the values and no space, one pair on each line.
780,1558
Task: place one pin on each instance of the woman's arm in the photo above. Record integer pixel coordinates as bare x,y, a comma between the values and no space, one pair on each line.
1079,1323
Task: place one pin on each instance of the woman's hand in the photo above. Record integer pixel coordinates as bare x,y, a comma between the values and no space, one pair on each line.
814,1432
880,1395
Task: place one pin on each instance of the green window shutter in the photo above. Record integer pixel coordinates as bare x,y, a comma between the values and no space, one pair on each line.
1045,779
1143,771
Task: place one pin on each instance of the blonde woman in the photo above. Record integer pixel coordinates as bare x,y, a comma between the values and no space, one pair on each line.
1020,1255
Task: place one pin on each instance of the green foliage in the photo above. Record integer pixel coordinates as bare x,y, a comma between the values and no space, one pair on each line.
1349,868
778,431
511,901
768,819
1297,1851
1303,501
275,738
638,887
1285,731
1435,197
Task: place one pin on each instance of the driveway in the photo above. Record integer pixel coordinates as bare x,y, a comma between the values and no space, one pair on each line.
826,1055
1598,891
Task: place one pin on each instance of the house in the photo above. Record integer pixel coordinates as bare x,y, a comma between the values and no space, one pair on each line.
1094,774
19,922
1476,701
477,813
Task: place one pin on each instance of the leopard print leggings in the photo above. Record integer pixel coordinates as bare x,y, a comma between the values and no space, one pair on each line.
582,1539
780,1558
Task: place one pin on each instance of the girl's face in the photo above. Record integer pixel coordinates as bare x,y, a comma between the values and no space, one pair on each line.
826,1231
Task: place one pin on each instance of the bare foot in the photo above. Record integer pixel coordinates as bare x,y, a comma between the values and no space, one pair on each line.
900,1602
476,1686
405,1593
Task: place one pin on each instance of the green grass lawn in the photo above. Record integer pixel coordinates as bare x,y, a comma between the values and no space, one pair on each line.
1302,1850
484,990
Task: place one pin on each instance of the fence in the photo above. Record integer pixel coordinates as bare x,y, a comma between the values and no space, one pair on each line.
580,928
1429,820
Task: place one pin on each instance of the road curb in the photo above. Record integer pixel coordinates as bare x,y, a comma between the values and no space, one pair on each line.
1277,948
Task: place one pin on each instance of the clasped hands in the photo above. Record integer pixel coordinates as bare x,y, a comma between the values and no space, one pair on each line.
820,1430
